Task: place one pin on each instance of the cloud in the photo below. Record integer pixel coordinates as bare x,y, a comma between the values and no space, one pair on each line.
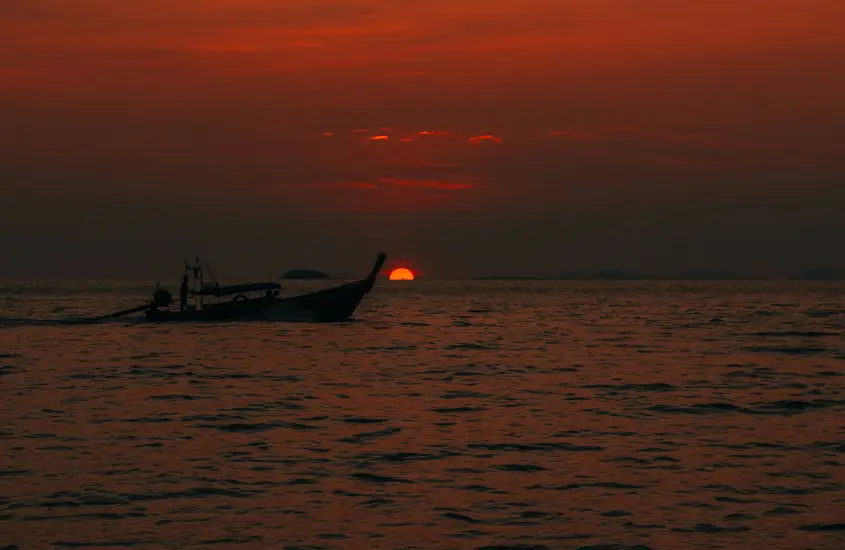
402,184
564,133
214,14
426,184
383,194
360,185
486,138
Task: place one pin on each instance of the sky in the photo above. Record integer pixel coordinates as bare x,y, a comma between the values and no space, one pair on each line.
462,137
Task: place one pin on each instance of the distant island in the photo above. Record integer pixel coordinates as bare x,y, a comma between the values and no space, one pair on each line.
304,274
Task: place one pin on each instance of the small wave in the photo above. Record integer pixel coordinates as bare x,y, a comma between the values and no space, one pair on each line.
617,514
754,446
520,468
452,410
739,516
463,394
101,515
698,408
776,407
6,370
597,485
212,417
656,387
461,517
797,333
527,447
481,489
470,347
710,528
796,406
233,540
376,502
824,312
367,436
176,397
398,347
70,321
643,461
781,511
76,500
257,427
823,527
8,472
117,543
149,420
832,446
358,420
404,457
632,525
786,490
375,478
788,350
615,546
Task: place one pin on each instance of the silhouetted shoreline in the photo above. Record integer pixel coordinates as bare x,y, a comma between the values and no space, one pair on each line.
816,274
507,278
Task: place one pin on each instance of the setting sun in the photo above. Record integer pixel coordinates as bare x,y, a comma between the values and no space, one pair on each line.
401,274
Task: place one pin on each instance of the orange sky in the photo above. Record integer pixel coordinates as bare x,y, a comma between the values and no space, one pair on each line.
482,110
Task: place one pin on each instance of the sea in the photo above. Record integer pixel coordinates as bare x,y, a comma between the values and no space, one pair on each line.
466,415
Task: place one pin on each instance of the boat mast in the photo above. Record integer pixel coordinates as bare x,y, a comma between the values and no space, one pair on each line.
196,270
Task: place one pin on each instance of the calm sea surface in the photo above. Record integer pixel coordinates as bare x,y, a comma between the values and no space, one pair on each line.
447,415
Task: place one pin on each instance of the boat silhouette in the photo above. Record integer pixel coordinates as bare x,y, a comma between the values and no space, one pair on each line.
255,301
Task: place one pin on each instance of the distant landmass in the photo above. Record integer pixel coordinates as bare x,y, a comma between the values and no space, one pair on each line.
821,274
817,274
304,274
700,275
607,275
506,278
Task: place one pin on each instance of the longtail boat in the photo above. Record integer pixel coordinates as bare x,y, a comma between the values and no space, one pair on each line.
255,301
